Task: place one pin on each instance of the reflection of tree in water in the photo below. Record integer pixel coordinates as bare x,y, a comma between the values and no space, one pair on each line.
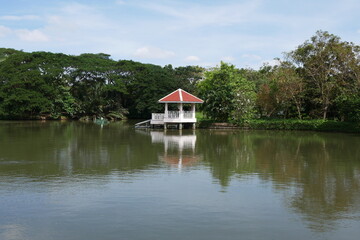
323,169
73,148
318,173
100,151
227,153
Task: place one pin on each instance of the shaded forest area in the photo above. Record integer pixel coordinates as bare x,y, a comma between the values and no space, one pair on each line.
320,79
43,84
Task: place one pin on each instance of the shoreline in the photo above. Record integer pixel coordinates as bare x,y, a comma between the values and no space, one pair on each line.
255,124
285,125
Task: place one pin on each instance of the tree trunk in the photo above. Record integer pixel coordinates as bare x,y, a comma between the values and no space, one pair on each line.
298,107
299,112
325,112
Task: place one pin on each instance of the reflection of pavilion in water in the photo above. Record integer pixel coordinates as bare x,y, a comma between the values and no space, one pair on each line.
179,148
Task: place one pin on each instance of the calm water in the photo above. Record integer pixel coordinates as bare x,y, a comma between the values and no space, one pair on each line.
80,181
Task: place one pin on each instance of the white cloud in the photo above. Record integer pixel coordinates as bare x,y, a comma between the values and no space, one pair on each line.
76,8
192,59
228,59
213,30
4,31
19,18
120,2
195,15
251,57
153,52
76,24
32,35
272,62
208,64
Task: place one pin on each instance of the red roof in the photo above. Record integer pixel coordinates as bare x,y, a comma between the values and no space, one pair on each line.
180,96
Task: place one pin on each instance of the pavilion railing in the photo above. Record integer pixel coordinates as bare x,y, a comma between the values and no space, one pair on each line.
189,114
158,116
173,115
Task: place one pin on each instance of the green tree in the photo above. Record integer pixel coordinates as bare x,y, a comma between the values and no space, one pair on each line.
97,86
55,70
330,67
24,92
290,88
54,85
6,52
227,94
348,107
244,99
188,77
267,101
145,85
216,90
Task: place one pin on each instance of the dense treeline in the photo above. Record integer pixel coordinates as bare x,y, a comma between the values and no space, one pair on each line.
320,79
43,84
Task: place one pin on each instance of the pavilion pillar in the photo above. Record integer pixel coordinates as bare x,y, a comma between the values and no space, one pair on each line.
181,113
166,110
193,109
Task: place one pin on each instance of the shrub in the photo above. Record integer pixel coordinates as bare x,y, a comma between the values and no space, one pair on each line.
295,124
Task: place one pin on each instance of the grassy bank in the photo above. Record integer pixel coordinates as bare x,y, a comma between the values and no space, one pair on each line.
288,124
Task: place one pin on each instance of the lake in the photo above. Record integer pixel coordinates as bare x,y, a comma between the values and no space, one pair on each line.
73,180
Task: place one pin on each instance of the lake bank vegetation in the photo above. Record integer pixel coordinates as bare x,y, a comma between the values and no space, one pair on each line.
285,124
320,79
43,84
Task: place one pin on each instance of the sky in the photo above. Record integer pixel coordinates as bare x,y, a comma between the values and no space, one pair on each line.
246,33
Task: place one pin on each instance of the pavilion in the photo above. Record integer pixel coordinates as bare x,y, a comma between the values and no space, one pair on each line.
179,117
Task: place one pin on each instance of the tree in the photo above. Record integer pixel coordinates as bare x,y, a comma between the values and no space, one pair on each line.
216,90
290,87
145,85
6,52
267,101
330,67
244,99
188,77
54,85
90,77
348,107
227,94
24,91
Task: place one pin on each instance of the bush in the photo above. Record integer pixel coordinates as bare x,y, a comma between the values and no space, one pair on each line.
295,124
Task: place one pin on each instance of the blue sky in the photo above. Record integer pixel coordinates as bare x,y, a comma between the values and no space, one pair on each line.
181,32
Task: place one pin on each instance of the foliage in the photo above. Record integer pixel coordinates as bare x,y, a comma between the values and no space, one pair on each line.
23,90
297,124
93,80
42,84
318,79
6,52
282,92
244,99
145,85
330,67
227,95
188,77
266,99
216,90
348,107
